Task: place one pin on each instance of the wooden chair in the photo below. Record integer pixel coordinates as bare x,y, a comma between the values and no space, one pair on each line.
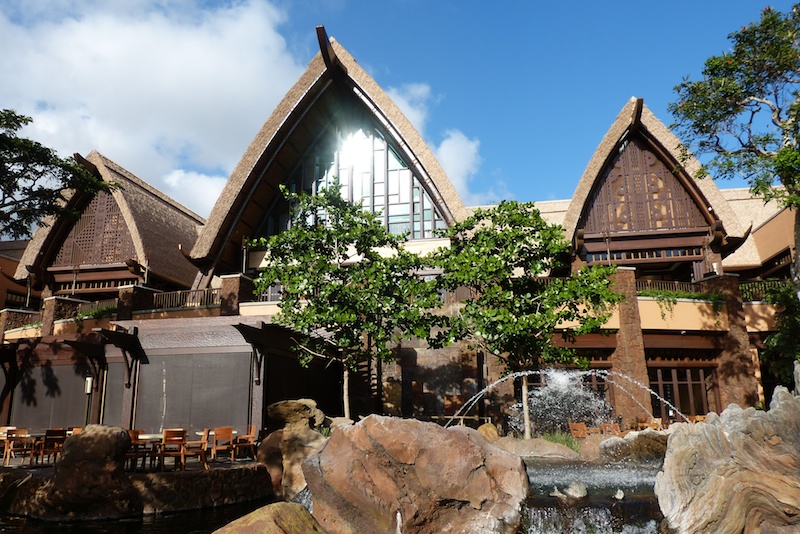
578,430
247,442
222,441
139,449
17,441
655,424
171,446
612,429
50,446
197,448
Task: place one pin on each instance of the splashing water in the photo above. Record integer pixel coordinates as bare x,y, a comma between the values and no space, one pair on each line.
561,378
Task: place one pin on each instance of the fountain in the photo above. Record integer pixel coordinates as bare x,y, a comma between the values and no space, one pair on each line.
620,496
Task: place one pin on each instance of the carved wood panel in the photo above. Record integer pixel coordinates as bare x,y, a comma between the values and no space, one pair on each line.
640,193
99,236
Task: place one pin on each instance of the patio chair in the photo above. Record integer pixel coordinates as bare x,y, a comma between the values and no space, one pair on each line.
17,441
578,430
197,448
138,449
222,441
612,429
247,442
50,446
171,446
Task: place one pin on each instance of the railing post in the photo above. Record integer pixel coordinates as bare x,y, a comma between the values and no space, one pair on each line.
235,288
133,298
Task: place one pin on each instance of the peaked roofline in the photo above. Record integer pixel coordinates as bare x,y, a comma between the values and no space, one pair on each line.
110,172
636,116
332,60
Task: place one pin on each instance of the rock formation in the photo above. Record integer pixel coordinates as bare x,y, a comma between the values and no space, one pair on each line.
297,441
89,481
277,518
644,446
536,448
737,472
399,475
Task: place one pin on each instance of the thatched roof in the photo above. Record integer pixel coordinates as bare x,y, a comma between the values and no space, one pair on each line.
333,79
636,116
158,226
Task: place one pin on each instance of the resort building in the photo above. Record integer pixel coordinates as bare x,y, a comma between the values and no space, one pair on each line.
148,317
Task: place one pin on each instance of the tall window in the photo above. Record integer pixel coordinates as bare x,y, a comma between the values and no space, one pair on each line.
369,171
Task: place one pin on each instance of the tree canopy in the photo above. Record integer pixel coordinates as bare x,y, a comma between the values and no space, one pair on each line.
34,181
743,113
503,255
347,283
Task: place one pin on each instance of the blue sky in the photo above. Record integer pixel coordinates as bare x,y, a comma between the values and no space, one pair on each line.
513,97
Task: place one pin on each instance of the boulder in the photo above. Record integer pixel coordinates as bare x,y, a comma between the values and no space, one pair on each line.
385,474
737,472
644,446
590,447
489,431
277,518
536,448
89,480
269,453
297,441
303,411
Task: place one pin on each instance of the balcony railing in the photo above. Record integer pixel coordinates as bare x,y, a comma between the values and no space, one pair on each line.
756,290
670,285
192,298
89,308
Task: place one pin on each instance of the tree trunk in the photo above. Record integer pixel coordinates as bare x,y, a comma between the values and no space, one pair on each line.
526,410
346,391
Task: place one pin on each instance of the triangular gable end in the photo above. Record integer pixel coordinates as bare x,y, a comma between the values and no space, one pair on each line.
636,206
334,108
105,249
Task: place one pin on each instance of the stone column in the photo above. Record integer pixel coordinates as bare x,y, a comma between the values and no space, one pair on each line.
133,298
628,361
57,308
736,370
235,288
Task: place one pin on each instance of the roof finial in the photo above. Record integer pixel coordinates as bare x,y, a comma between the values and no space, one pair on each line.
328,53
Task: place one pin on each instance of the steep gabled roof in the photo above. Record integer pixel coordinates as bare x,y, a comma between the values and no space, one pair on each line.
332,79
158,226
636,117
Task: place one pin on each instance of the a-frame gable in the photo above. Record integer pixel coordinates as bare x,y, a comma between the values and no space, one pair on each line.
637,202
333,91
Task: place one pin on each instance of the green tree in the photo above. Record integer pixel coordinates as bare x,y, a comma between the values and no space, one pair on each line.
503,255
34,181
782,348
743,114
347,283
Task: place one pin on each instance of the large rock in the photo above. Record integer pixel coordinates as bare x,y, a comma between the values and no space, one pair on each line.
89,480
739,472
536,448
644,446
399,475
277,518
297,441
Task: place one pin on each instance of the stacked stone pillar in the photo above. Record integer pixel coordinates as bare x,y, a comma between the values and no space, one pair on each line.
235,289
736,370
628,361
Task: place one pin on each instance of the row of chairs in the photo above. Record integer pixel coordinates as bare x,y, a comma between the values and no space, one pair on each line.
173,444
43,449
581,431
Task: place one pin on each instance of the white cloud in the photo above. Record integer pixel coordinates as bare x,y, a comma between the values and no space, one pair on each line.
160,87
412,99
460,158
199,190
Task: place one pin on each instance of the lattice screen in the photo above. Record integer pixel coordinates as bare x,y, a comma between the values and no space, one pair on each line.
99,236
640,193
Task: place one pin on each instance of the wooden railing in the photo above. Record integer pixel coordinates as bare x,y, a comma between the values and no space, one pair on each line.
90,307
756,290
192,298
670,285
